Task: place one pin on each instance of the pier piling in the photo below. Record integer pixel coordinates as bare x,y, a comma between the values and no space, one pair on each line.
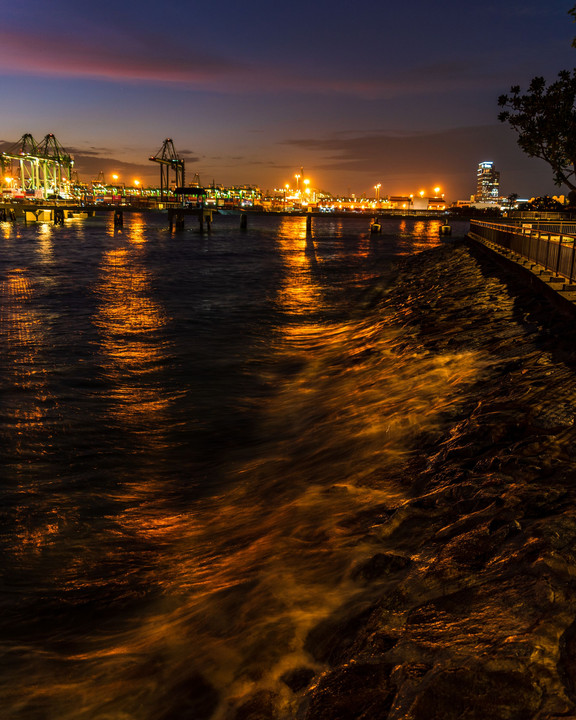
243,221
118,218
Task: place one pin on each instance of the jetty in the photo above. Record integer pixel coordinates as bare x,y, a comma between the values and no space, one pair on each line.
541,250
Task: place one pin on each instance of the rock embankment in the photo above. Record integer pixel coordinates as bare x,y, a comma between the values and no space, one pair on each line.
475,582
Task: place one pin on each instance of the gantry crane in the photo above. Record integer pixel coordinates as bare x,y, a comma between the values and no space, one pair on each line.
169,160
44,166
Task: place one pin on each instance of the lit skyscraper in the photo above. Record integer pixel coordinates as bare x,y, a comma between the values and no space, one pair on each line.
488,183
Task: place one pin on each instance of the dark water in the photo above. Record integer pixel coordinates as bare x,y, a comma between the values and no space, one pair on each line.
202,436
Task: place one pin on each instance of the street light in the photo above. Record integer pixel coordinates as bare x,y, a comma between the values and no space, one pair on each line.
377,188
297,183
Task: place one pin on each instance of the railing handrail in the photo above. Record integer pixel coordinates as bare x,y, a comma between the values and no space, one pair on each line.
522,230
552,249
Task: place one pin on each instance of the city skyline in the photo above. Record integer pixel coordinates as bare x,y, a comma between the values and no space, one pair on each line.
401,97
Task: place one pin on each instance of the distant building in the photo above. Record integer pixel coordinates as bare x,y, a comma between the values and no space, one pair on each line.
487,183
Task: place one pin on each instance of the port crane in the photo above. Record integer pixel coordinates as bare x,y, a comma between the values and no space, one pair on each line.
44,165
169,160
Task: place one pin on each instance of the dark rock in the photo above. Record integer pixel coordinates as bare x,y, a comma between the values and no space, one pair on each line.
260,706
552,420
567,662
358,691
298,679
332,639
504,528
379,565
475,693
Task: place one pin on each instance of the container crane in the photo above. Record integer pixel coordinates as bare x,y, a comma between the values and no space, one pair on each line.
168,160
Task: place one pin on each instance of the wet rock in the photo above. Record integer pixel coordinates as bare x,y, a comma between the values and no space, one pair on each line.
545,502
260,706
332,639
553,420
471,550
378,566
358,691
504,528
298,679
191,699
475,693
567,662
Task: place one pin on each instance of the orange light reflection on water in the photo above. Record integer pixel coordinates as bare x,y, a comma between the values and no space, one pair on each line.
129,321
26,400
299,291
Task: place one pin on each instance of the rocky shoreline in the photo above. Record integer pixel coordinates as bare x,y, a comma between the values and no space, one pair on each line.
469,609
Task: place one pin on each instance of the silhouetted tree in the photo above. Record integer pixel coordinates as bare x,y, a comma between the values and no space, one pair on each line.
512,199
543,203
545,120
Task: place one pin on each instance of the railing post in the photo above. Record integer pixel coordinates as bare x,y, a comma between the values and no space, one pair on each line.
559,251
547,250
572,263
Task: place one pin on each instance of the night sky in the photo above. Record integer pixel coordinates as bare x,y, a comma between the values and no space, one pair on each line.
402,94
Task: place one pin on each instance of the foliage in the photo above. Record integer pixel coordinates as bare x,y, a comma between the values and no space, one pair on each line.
543,203
545,120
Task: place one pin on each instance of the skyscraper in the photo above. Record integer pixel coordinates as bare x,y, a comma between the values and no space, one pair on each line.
488,183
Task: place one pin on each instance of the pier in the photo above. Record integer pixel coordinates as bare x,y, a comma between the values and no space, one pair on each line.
541,251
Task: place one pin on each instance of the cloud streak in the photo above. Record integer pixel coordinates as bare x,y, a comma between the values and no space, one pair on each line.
146,59
35,53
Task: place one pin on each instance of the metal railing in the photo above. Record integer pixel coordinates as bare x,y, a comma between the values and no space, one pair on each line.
555,251
567,227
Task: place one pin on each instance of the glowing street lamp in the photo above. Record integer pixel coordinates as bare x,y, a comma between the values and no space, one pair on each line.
297,183
116,178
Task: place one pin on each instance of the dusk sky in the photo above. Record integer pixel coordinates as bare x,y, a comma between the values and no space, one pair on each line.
402,94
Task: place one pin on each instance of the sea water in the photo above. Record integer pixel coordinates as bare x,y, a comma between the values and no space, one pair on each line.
188,421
